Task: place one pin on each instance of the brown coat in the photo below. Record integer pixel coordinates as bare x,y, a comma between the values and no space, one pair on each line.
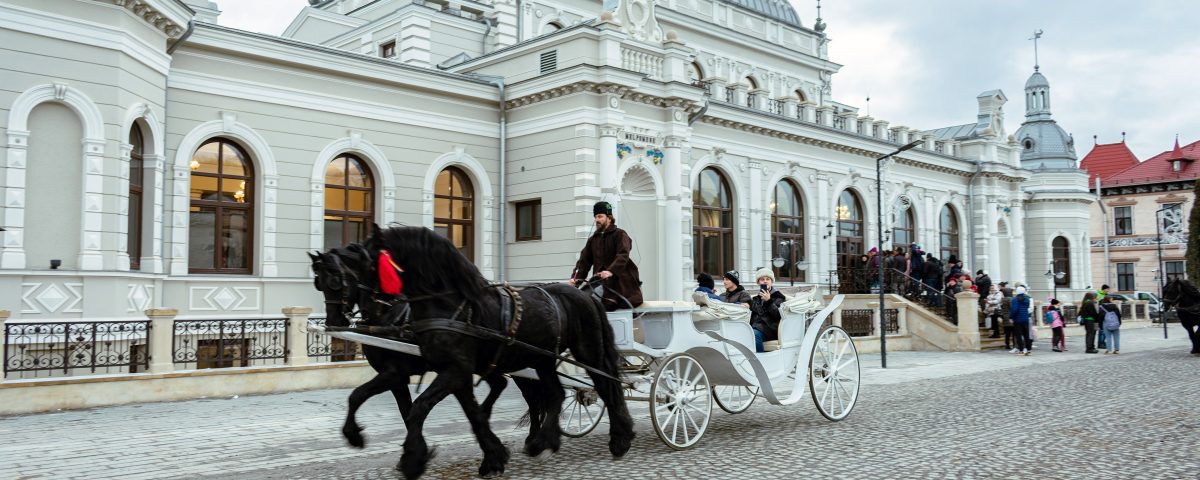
609,250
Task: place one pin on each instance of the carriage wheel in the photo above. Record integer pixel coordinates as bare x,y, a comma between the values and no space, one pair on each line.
581,412
834,373
734,398
680,403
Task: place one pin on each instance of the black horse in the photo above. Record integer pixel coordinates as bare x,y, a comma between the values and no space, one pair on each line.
451,301
1184,296
337,277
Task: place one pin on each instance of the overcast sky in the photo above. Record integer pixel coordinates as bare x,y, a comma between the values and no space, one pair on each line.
1113,66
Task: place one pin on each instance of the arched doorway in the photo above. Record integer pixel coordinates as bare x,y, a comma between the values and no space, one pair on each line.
849,230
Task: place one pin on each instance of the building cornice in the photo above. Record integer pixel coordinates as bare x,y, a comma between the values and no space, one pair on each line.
682,19
168,16
317,57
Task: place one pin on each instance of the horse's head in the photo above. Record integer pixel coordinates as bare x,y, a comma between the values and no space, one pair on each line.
337,275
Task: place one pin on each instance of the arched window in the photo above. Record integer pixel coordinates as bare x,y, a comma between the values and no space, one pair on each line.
949,232
787,230
695,73
454,209
1062,261
712,224
751,82
133,234
903,231
800,95
849,230
220,235
349,201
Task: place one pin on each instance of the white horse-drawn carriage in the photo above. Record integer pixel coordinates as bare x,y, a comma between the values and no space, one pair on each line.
684,356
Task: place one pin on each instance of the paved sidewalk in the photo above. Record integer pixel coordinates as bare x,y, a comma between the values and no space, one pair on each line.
297,435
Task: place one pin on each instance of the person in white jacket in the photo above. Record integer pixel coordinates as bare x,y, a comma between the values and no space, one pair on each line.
992,308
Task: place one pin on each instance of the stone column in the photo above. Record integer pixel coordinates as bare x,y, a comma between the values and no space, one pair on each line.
740,92
673,216
125,151
808,111
968,321
825,112
790,107
848,119
902,318
607,163
12,249
160,339
756,223
297,334
91,249
866,126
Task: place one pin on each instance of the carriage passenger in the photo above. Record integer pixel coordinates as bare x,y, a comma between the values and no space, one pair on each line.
734,293
764,309
706,285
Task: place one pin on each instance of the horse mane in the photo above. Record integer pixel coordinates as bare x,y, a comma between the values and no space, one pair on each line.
432,264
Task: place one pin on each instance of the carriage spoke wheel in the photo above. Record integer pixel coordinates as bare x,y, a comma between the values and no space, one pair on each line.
734,398
680,403
834,373
581,412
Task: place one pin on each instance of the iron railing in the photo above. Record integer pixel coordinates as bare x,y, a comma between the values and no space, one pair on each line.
750,99
329,348
729,94
74,348
229,343
857,280
892,316
777,107
858,322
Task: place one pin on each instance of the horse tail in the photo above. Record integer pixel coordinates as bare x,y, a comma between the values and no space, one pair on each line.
621,423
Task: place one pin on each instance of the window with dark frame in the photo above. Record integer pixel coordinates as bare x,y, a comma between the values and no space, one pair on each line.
949,235
133,240
529,220
1123,217
349,201
1175,270
850,231
712,224
220,233
388,50
1062,261
787,230
1125,277
454,209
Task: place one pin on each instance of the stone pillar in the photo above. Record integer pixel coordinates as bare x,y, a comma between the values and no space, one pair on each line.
758,257
791,107
607,163
122,196
808,111
506,23
866,126
716,89
848,119
297,334
12,249
675,61
881,129
91,249
968,321
415,46
825,112
761,96
902,318
740,92
673,216
160,341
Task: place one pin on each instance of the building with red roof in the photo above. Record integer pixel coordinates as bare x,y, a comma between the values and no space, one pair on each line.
1125,240
1107,159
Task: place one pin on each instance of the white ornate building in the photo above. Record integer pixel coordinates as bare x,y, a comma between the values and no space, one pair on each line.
165,160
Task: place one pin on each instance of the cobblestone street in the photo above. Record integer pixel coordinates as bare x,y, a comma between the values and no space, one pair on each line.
930,415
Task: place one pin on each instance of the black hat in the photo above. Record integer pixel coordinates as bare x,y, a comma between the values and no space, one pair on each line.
732,275
602,207
705,280
978,272
1003,284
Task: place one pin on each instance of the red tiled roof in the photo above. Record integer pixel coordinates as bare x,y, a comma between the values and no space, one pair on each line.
1159,168
1107,159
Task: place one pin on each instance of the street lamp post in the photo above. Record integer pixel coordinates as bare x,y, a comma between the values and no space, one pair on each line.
1054,276
879,232
1162,274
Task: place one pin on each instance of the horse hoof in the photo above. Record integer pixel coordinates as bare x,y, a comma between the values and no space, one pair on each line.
545,455
354,437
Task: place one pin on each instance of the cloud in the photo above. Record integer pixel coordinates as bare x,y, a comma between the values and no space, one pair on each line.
264,16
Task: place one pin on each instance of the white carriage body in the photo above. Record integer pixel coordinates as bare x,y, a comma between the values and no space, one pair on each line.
724,346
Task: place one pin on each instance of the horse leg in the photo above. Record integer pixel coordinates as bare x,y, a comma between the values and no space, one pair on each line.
531,392
546,437
416,452
403,397
496,385
495,455
1192,325
350,429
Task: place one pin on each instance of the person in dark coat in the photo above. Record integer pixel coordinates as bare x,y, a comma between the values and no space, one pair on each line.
734,293
607,253
706,285
983,284
764,308
932,273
